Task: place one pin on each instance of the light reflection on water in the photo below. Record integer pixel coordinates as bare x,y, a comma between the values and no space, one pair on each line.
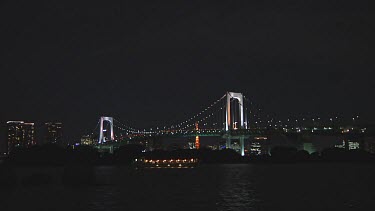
211,187
237,191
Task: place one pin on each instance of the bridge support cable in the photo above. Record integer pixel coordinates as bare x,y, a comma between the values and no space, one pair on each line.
207,122
190,122
258,119
92,133
126,127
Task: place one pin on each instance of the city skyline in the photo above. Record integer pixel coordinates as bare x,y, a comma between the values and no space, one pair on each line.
230,112
300,121
73,62
187,105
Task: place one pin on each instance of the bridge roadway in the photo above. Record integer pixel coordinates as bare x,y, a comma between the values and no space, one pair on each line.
236,134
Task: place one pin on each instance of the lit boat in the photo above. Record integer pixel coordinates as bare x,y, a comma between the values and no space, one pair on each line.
167,163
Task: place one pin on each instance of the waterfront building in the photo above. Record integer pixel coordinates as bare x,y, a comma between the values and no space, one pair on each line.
87,140
259,145
191,145
53,132
348,145
20,134
212,146
255,148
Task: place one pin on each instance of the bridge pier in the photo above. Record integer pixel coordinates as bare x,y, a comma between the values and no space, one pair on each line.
242,143
228,144
105,148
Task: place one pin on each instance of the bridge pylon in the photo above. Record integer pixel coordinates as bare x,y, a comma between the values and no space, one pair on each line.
228,114
101,132
228,119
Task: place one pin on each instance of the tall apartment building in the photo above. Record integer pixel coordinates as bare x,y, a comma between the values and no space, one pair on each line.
20,134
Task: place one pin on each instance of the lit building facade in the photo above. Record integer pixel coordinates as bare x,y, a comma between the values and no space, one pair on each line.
255,148
348,145
258,146
20,135
54,132
190,145
87,140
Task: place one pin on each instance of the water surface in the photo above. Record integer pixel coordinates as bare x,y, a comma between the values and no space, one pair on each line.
208,187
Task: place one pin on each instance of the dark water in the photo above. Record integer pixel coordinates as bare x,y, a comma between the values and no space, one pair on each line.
211,187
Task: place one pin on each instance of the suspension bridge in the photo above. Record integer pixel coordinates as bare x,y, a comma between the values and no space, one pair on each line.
231,117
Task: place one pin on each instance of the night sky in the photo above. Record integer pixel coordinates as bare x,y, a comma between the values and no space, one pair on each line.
151,63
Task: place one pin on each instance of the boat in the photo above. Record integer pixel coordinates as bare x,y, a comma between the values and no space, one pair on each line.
167,163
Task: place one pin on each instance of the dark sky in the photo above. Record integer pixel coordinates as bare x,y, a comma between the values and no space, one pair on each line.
152,63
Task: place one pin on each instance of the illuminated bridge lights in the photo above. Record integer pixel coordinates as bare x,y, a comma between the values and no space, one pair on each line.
227,117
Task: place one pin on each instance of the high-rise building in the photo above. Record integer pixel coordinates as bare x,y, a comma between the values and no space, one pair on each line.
20,135
53,132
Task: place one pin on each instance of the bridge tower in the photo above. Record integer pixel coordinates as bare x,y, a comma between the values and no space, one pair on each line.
228,117
101,134
228,114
